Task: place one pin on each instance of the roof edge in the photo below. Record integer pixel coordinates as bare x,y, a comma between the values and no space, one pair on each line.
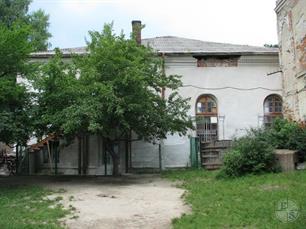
222,53
69,55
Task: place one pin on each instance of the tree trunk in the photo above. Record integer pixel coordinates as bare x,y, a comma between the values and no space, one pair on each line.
115,157
116,161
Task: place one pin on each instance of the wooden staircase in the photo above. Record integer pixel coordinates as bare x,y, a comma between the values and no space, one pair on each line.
212,153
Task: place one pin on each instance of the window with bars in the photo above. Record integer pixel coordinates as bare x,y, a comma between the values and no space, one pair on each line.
206,105
273,107
207,118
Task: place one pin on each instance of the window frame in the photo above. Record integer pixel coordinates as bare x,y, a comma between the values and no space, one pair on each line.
273,108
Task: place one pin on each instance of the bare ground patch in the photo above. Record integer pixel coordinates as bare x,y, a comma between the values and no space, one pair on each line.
128,202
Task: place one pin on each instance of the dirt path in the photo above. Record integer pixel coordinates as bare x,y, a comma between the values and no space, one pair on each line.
129,202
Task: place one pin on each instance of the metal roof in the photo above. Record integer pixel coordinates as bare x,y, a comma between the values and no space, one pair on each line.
178,45
174,45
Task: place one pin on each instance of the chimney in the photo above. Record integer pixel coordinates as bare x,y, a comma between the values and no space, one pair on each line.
136,27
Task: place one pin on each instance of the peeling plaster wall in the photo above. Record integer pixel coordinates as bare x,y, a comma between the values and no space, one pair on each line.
291,22
238,109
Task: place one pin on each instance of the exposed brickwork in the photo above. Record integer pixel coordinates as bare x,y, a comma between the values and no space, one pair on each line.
292,42
302,49
217,62
136,27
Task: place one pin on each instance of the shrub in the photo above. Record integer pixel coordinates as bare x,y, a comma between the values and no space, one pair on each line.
285,134
250,154
254,153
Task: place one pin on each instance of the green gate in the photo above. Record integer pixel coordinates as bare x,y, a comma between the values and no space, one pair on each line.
194,152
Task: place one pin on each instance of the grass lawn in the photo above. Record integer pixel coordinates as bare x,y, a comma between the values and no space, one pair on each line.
25,207
247,202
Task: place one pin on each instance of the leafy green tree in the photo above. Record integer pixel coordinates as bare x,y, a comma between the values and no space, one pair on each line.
116,91
57,88
12,11
20,34
14,98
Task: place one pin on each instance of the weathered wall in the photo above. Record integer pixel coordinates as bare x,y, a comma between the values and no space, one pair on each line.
291,22
238,109
69,158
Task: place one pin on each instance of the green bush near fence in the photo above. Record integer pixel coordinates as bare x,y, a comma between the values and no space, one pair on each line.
286,134
254,153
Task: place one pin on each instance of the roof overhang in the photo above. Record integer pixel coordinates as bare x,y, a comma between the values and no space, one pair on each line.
219,53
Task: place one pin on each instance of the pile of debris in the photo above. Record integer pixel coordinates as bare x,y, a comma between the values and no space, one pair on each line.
7,163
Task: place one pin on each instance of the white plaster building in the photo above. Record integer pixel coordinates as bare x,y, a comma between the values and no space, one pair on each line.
230,91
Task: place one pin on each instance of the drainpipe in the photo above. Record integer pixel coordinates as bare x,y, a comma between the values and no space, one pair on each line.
163,97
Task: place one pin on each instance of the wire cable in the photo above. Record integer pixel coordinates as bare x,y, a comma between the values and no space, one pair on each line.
234,88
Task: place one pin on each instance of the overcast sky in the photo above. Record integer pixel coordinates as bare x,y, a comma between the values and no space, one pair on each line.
251,22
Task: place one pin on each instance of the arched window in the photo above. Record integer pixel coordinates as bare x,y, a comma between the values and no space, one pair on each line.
207,118
206,104
273,107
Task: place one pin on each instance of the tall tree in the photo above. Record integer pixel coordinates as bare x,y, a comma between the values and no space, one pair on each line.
12,11
57,89
14,98
20,34
118,87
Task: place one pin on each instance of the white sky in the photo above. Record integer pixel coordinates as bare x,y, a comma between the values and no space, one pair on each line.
251,22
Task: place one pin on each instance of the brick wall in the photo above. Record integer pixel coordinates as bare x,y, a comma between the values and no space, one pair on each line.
217,61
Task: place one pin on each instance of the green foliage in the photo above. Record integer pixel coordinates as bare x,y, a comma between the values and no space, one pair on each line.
113,90
249,154
20,34
117,90
126,81
14,98
57,90
12,11
245,202
253,153
39,23
285,134
15,49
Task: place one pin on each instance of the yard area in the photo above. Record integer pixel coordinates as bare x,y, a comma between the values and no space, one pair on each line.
149,201
27,207
134,201
246,202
